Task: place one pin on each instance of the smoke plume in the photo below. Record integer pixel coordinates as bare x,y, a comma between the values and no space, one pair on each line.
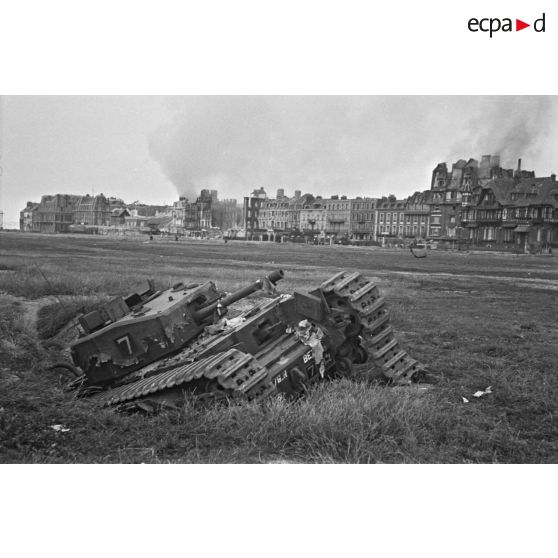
353,145
512,127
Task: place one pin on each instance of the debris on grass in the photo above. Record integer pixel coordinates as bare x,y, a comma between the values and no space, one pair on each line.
481,393
59,428
465,400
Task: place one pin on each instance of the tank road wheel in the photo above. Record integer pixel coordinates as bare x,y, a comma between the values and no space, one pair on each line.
353,352
210,390
345,350
360,355
343,367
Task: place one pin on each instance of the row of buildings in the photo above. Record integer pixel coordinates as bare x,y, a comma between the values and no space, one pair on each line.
63,213
473,204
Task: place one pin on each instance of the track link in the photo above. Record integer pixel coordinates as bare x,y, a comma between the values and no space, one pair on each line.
362,297
231,371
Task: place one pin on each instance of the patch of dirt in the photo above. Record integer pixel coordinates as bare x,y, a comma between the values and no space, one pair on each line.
30,312
30,309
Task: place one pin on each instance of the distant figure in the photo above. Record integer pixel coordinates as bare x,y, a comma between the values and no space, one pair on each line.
226,239
150,237
176,237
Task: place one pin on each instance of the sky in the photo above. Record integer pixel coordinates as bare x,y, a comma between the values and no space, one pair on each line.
153,149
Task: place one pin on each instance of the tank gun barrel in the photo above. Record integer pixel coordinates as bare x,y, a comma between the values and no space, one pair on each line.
273,277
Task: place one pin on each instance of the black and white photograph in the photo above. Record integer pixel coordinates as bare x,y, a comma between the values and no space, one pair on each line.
299,279
278,278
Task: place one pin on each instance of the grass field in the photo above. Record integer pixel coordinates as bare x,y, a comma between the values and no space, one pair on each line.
476,320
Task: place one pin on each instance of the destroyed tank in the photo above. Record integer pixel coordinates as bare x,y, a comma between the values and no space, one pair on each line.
155,347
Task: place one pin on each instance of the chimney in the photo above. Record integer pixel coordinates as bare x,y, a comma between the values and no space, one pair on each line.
518,165
553,177
280,193
297,193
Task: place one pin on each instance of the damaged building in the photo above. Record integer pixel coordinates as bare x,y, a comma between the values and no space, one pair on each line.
205,213
512,214
453,191
92,210
55,214
251,213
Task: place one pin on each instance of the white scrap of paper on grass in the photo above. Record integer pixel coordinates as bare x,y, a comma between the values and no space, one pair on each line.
481,393
465,400
60,428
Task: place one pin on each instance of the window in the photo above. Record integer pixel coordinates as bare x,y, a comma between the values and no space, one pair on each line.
489,233
508,235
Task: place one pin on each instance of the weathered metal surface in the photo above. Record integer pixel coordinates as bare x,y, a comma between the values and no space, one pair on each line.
152,328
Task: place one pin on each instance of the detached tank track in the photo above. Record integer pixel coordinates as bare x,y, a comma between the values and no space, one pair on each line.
231,372
363,300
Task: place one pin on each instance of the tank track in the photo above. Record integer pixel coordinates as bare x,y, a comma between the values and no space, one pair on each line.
363,300
231,372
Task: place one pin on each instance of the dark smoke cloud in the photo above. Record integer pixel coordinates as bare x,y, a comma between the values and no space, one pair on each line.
345,144
510,126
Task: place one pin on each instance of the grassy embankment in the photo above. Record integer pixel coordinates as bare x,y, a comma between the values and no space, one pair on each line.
476,320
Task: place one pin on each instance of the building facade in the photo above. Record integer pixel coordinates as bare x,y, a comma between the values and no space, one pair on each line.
313,217
226,214
417,216
28,218
362,223
513,214
191,218
338,216
55,213
390,220
92,210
